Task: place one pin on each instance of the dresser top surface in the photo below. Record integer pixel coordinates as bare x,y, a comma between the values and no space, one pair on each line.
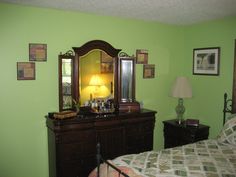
89,120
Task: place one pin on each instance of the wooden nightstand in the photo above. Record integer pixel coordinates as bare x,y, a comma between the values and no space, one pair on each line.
177,135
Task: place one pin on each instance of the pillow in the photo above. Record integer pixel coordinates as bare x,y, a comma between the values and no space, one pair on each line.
228,132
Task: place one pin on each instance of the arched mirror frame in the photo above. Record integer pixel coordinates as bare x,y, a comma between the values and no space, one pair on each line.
86,48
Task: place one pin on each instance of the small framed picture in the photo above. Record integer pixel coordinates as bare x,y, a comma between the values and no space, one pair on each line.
37,52
148,71
142,56
25,71
206,61
106,63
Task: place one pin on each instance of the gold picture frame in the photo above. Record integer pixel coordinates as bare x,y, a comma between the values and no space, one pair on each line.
148,71
25,71
142,56
37,52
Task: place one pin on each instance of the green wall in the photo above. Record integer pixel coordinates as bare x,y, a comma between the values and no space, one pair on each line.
207,103
24,104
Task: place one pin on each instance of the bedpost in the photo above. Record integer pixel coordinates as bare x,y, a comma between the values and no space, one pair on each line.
227,107
98,156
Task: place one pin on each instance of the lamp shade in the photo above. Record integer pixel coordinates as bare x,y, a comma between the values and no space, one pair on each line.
96,81
181,88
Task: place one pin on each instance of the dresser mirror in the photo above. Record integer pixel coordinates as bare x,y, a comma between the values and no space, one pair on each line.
95,71
94,74
127,79
126,82
66,80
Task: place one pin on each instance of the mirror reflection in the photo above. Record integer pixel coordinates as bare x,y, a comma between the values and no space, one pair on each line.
126,80
66,83
96,76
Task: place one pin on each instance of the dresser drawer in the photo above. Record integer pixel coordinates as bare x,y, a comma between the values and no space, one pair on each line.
137,144
139,128
74,151
75,136
79,168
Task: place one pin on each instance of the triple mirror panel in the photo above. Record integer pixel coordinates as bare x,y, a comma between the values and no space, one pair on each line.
95,72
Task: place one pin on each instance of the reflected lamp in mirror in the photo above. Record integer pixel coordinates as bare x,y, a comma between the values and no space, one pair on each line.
96,81
181,89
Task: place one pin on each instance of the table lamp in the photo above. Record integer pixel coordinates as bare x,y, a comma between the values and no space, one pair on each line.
181,89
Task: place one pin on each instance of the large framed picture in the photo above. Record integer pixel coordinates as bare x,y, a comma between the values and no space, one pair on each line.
25,71
37,52
206,61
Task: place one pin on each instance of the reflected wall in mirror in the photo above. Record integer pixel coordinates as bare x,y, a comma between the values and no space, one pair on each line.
126,80
96,76
65,80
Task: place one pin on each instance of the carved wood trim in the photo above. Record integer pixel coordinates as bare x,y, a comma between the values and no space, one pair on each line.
96,44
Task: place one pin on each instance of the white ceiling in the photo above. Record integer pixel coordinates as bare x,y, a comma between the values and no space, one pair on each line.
181,12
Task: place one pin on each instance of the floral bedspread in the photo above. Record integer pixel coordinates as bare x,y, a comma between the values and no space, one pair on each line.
208,158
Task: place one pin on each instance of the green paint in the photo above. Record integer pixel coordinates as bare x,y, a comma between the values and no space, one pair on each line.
23,134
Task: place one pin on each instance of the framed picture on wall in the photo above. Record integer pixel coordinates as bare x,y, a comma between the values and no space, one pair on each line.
37,52
148,71
106,63
25,71
142,56
206,61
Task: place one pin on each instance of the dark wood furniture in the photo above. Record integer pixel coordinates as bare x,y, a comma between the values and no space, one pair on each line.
122,85
126,83
72,142
234,82
85,49
230,103
179,134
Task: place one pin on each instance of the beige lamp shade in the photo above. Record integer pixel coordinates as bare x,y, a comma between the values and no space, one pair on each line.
181,88
96,81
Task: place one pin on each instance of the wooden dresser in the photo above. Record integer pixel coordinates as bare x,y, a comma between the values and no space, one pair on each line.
72,142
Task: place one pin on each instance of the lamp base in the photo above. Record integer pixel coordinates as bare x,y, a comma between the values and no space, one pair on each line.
180,109
179,121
